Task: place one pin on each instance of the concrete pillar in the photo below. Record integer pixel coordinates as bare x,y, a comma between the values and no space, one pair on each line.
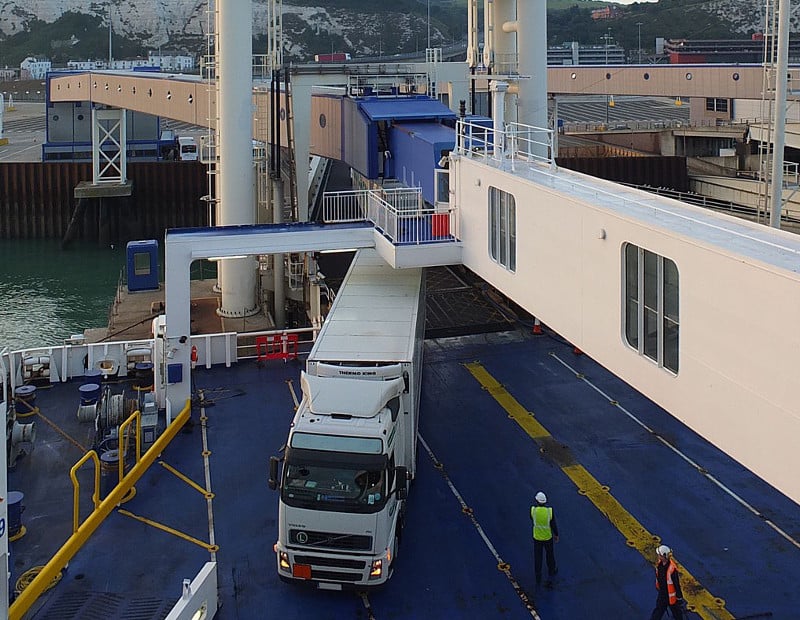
778,139
238,276
532,49
503,51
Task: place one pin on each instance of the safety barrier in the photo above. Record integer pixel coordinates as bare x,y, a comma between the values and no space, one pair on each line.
400,214
276,346
515,142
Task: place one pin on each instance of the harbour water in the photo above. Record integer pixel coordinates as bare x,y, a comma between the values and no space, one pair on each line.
48,294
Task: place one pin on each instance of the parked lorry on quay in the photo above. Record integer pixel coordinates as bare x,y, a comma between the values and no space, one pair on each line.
333,57
187,148
352,445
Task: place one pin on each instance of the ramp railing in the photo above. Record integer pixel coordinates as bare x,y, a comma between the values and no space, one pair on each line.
400,214
514,143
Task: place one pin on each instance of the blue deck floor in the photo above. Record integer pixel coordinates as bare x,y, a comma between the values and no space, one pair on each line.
445,568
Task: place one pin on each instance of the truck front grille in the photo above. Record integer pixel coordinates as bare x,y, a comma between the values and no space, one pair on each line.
330,540
330,575
334,562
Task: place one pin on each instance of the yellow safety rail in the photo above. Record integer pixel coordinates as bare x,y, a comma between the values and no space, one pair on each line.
76,491
123,447
57,563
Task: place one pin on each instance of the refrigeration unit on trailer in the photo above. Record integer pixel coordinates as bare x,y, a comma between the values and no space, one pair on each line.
352,444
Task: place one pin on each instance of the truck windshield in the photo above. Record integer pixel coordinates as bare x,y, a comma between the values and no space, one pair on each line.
349,487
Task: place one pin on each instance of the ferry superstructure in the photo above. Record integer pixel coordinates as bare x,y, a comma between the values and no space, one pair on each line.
654,290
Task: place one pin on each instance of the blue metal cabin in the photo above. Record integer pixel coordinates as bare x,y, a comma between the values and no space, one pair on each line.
141,263
366,124
417,148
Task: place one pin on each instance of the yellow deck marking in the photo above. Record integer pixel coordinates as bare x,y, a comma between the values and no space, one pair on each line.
700,600
183,477
169,530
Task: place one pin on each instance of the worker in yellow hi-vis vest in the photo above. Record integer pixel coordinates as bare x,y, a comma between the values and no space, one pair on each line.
545,533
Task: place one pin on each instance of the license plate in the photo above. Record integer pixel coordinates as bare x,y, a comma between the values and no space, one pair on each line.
301,571
329,586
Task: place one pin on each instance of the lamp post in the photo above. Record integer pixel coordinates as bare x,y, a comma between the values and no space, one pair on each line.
639,27
109,36
607,38
429,24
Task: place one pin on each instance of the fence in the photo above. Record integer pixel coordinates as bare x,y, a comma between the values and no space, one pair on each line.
515,142
400,214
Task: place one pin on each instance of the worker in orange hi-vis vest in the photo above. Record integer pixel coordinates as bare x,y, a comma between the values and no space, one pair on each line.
545,532
668,586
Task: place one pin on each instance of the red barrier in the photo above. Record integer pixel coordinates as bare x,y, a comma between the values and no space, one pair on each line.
276,347
440,225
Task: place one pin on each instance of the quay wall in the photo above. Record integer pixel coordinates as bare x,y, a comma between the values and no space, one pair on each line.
37,201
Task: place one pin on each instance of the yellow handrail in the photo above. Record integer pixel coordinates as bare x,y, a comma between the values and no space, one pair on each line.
76,486
123,448
56,564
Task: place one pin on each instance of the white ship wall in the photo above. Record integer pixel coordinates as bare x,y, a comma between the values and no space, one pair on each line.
739,344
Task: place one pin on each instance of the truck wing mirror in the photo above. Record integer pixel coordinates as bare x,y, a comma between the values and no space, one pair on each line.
273,472
401,482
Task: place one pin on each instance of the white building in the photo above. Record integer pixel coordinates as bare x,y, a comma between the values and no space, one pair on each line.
130,64
85,65
34,68
172,61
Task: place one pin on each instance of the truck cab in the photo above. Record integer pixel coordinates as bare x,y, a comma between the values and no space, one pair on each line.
187,148
342,489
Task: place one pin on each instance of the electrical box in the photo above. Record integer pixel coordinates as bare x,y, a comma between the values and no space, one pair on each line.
149,419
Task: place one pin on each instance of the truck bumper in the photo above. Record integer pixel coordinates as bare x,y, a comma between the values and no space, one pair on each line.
331,571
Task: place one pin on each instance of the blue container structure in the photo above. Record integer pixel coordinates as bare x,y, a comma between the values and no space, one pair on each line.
367,145
417,149
142,265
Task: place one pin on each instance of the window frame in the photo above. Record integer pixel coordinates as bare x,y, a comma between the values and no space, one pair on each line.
502,228
645,296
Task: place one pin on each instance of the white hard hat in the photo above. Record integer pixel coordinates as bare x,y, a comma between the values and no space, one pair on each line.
663,550
541,498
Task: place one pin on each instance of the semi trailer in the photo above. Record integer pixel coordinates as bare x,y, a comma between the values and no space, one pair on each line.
351,449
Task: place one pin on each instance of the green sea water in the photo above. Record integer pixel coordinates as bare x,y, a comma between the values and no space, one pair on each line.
48,294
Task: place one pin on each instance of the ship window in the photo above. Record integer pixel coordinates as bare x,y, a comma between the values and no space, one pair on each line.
651,312
503,228
715,104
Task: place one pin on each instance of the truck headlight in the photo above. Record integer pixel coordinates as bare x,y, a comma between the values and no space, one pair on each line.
283,560
377,569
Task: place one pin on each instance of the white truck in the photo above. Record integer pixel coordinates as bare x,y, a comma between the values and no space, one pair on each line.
352,444
187,148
